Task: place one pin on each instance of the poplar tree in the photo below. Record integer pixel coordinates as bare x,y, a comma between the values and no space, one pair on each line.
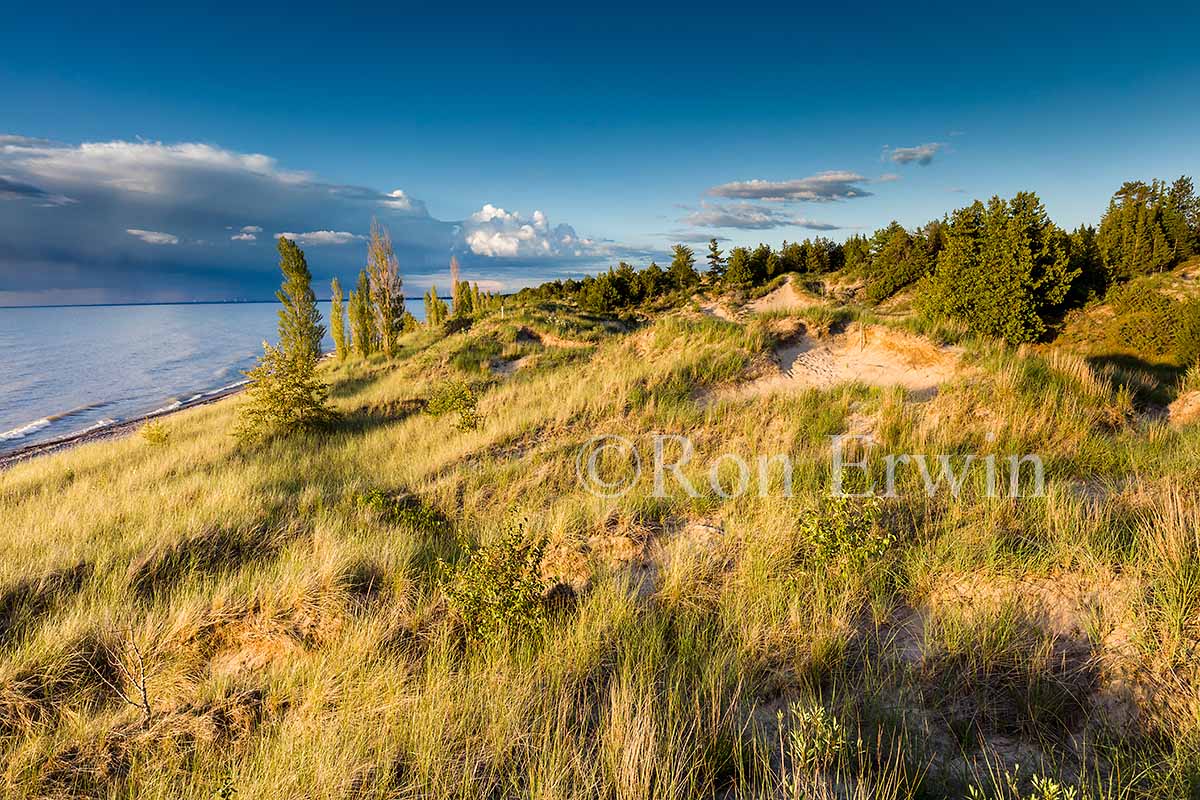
362,326
435,308
386,289
337,319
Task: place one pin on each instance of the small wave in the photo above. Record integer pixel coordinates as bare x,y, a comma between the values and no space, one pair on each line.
168,407
225,388
104,423
26,429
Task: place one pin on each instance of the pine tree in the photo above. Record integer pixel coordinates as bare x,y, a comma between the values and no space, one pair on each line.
300,329
286,395
737,271
337,319
362,324
387,295
682,272
716,260
1003,270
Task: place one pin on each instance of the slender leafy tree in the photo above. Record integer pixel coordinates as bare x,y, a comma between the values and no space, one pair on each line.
386,289
337,319
362,320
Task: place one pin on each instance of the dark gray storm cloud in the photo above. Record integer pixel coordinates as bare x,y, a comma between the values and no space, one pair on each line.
824,187
750,216
143,221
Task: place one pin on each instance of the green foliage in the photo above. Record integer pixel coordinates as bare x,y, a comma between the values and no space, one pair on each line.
1152,324
1008,787
1004,269
155,432
362,327
816,739
456,397
436,310
846,529
898,258
1148,228
498,592
399,508
716,261
300,329
386,290
682,272
337,318
285,396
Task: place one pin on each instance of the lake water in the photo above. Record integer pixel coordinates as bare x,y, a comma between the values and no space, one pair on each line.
65,370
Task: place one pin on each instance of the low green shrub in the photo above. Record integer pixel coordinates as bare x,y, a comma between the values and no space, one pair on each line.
456,397
155,432
498,590
846,529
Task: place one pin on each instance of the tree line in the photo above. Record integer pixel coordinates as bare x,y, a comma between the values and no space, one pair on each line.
1003,268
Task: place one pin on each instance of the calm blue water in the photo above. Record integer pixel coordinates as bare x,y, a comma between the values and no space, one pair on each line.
65,370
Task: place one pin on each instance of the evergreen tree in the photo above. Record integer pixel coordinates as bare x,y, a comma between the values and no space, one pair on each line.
682,272
737,270
300,329
386,288
716,260
651,280
362,324
285,393
1003,270
337,319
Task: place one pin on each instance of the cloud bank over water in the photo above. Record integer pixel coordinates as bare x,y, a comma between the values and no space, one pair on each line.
142,221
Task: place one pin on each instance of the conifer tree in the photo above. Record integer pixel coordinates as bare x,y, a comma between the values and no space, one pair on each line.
337,320
286,394
386,290
737,270
300,329
682,272
716,260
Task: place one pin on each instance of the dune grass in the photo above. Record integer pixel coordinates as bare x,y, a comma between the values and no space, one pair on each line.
298,606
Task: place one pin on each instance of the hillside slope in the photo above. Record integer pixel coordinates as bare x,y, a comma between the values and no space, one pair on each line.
314,617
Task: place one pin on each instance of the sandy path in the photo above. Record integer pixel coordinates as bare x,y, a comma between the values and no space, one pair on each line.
783,298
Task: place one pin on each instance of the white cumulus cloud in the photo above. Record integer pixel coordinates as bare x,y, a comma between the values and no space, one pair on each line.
251,229
921,154
153,237
318,238
243,237
493,231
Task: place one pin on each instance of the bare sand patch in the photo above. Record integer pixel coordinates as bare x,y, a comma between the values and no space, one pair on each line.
784,298
874,355
1185,409
715,308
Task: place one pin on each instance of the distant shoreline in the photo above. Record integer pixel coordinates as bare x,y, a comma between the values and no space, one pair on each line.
181,303
114,431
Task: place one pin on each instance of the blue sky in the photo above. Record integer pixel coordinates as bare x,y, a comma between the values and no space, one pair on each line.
140,141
